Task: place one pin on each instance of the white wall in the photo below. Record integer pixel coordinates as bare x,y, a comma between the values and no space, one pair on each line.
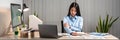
6,3
52,12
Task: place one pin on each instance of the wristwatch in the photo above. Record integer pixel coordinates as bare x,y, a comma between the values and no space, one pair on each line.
70,33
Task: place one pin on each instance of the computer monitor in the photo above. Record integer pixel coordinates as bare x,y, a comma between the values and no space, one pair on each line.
15,15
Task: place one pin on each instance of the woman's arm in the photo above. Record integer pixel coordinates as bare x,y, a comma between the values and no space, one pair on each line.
80,23
68,30
66,25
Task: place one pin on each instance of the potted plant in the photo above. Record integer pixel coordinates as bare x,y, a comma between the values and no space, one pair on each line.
35,14
105,24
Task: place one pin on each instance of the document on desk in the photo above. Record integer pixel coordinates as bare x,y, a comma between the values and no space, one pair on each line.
92,37
95,35
71,37
68,36
83,35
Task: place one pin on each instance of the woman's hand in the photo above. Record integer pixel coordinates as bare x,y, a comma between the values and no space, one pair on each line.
66,25
74,34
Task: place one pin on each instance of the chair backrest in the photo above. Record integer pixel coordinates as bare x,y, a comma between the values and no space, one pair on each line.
63,30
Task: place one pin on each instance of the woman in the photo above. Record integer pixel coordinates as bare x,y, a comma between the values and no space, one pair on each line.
73,22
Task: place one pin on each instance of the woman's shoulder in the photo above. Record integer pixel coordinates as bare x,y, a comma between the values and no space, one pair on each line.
66,16
79,17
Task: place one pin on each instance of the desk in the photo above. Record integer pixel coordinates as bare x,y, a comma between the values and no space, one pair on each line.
10,36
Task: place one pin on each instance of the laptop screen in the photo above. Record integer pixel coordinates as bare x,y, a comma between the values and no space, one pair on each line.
48,31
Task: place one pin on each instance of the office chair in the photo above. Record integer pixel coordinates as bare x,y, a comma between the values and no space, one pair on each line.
63,30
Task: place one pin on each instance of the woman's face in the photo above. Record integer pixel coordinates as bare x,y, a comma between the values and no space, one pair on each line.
73,11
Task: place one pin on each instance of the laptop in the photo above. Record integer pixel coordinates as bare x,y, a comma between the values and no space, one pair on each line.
48,31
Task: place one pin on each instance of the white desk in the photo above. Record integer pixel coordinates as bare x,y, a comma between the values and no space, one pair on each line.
64,36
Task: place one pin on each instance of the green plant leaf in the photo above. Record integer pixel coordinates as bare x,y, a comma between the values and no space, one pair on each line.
100,24
103,26
113,22
110,19
109,23
106,24
97,29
